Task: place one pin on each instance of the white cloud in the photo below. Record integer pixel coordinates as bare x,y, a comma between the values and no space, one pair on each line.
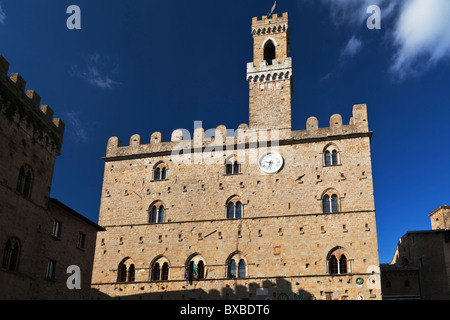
350,12
2,15
75,127
418,31
97,71
352,47
422,36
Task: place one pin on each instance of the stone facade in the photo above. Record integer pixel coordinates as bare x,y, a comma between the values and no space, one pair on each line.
420,268
31,140
440,218
307,231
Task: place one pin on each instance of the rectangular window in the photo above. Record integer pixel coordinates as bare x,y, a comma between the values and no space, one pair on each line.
56,229
81,240
51,270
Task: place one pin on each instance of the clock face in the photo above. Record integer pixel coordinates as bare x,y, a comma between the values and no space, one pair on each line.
271,162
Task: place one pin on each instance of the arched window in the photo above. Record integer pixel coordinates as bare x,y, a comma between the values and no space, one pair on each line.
233,269
161,214
235,167
330,201
337,261
156,212
122,277
236,265
154,215
196,269
334,157
333,265
234,208
11,255
131,273
25,181
331,155
157,174
201,270
165,271
334,203
230,210
342,264
160,171
232,167
326,204
159,269
327,158
269,52
241,269
156,271
126,271
238,212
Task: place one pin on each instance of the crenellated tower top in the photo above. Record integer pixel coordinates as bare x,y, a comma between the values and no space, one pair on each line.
24,108
274,29
270,74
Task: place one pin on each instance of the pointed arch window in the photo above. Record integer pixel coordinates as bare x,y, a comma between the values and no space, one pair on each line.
160,171
233,269
201,270
343,264
157,212
232,167
165,271
122,277
269,52
241,268
330,202
333,265
331,155
196,268
25,181
238,212
230,210
131,273
337,262
326,204
126,271
234,209
334,203
11,255
156,272
159,270
236,265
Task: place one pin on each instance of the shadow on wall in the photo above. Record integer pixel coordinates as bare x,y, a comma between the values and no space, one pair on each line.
279,289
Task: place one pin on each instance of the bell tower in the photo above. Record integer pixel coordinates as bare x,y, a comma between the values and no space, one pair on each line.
270,74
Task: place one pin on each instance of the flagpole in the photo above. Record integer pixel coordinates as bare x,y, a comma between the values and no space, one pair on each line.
271,11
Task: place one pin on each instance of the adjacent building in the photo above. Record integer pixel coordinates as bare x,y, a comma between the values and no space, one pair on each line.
420,268
39,236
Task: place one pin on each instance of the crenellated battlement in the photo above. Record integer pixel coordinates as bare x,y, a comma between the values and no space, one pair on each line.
223,138
265,20
24,108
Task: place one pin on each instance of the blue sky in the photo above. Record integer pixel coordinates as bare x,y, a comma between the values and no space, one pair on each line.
137,67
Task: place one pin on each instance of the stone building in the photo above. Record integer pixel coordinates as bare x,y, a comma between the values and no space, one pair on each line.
420,268
39,236
261,212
